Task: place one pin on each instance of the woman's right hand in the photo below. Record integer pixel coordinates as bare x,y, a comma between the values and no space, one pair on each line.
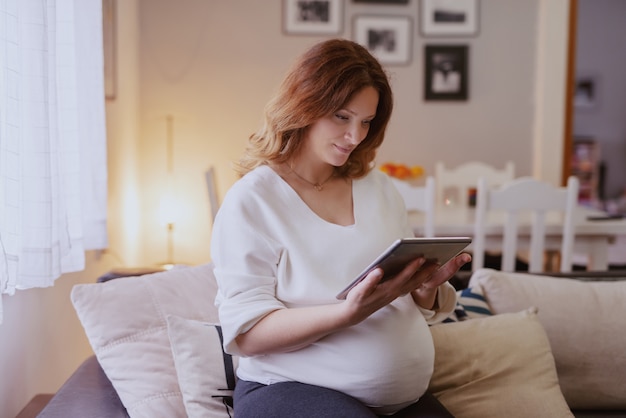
420,277
370,294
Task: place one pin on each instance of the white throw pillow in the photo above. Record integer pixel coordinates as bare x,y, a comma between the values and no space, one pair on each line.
585,323
206,374
125,321
496,366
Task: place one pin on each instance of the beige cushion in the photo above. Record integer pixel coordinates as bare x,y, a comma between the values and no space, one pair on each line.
494,367
200,367
585,323
126,323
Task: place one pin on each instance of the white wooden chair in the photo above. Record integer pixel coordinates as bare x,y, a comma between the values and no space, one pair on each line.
422,199
461,179
209,176
526,195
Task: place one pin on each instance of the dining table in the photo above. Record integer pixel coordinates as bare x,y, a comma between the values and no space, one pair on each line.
594,230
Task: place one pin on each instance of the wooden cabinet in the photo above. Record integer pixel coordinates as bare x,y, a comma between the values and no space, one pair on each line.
585,165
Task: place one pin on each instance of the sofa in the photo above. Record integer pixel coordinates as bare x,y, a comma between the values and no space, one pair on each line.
518,345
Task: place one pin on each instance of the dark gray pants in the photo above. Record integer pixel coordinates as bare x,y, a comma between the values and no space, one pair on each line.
293,399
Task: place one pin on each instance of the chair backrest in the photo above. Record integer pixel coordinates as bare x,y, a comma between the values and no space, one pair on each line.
525,196
422,199
461,179
209,176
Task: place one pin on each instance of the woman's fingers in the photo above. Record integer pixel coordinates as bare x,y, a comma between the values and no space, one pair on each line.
445,272
417,273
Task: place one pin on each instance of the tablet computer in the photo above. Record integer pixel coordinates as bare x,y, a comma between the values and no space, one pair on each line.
436,250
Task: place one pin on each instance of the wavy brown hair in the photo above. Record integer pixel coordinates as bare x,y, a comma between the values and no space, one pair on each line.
320,82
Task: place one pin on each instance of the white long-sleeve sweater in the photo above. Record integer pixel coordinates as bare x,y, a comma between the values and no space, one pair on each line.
271,251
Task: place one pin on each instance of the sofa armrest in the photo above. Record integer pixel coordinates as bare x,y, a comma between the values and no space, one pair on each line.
88,390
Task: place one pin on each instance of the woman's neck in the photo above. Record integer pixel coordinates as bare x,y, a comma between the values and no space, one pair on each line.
316,175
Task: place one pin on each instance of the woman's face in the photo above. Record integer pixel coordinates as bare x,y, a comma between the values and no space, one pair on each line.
331,139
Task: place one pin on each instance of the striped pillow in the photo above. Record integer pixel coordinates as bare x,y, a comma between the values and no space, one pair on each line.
474,302
471,303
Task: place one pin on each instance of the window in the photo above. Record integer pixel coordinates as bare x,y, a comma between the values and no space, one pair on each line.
52,140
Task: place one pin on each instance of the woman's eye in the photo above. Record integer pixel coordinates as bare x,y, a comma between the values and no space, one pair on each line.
342,117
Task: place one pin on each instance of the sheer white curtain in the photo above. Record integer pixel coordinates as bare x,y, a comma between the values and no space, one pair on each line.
52,140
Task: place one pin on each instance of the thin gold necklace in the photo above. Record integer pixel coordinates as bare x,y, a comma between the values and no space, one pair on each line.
318,186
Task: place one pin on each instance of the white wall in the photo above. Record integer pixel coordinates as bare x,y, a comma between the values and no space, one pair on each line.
550,90
215,73
123,133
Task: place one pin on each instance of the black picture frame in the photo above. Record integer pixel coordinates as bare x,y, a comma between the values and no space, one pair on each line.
382,1
446,73
388,38
444,18
312,17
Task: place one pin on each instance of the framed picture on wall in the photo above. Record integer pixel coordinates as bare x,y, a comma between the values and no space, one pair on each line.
586,92
382,1
314,17
388,38
446,72
449,17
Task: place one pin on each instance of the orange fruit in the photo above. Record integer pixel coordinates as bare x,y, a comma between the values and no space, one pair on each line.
402,172
417,171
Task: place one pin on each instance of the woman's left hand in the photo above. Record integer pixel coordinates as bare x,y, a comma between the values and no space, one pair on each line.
425,295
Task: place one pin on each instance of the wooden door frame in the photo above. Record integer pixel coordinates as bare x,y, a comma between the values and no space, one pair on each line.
568,140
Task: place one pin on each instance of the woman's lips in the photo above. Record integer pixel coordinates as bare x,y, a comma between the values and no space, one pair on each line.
344,150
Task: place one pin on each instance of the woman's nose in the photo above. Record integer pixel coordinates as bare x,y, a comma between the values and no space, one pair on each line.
355,134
